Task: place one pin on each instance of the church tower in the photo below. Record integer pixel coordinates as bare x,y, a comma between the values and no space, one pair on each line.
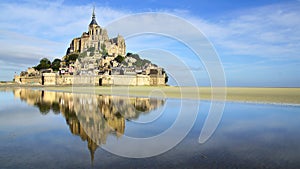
97,34
93,22
94,28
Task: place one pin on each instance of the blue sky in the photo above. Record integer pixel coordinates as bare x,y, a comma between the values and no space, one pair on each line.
258,42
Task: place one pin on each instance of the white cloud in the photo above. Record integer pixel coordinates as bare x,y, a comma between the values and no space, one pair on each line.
27,47
52,20
271,31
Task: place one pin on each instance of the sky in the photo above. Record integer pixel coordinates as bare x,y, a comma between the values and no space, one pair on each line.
257,42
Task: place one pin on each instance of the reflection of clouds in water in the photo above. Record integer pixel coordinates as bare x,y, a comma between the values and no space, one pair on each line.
17,116
259,134
249,115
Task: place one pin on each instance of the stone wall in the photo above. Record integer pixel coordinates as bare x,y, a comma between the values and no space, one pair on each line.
143,80
124,80
157,80
28,80
101,80
64,79
49,79
87,80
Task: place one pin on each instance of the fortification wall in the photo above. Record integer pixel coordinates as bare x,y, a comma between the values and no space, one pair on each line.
131,80
124,80
49,79
101,80
142,80
28,80
157,80
64,80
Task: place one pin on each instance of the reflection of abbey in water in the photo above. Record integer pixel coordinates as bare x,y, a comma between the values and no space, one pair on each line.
92,117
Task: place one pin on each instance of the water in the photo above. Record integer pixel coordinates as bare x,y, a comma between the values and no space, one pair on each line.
63,130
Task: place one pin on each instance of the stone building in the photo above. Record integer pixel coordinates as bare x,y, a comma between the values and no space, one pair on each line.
97,38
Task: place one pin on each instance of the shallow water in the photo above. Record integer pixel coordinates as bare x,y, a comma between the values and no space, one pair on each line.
63,130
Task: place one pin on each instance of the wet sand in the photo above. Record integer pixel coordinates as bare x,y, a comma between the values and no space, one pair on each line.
242,94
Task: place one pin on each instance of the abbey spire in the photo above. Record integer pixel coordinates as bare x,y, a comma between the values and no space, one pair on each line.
93,22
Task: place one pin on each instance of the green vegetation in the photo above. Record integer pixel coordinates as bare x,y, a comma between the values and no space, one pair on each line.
103,50
82,55
119,59
91,49
139,62
44,64
55,64
71,58
85,53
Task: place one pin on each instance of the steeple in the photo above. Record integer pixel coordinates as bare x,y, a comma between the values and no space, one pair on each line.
92,147
93,22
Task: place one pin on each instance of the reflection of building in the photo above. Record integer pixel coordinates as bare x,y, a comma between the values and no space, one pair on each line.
92,117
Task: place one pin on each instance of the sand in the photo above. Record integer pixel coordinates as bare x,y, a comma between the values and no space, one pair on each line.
241,94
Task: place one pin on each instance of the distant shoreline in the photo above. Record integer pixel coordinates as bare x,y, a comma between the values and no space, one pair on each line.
286,96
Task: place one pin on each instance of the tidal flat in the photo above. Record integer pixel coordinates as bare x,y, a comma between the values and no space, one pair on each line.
289,96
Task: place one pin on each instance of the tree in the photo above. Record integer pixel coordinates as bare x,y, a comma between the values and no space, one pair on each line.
128,54
71,58
55,65
44,64
119,59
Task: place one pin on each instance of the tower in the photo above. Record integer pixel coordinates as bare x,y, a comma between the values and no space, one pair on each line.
93,22
94,28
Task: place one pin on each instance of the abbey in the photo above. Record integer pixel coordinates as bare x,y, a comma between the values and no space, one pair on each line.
97,38
95,59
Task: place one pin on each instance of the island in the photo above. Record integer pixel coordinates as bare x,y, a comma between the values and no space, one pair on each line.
95,59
